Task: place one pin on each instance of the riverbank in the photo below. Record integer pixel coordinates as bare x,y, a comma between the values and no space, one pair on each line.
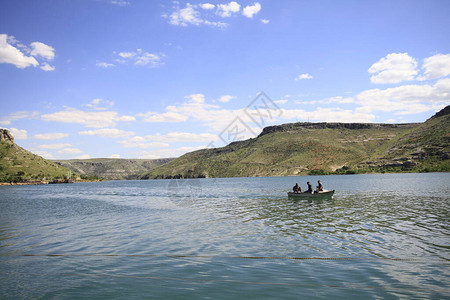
40,182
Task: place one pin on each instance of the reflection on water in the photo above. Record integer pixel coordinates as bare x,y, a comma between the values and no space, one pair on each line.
225,238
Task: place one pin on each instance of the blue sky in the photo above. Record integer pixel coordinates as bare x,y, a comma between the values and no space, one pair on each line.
152,79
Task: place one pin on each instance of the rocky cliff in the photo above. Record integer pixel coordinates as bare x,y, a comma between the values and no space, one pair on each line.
6,136
324,125
18,165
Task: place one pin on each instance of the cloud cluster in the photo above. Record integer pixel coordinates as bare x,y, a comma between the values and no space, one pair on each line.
164,153
217,119
406,99
93,119
108,132
54,146
251,10
226,10
436,66
210,14
398,67
50,136
100,104
393,68
15,53
138,58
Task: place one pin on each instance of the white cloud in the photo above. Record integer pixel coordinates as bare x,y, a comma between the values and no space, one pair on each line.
251,10
54,146
100,104
43,154
226,98
46,67
196,98
42,50
207,6
11,55
327,115
303,76
148,59
393,68
337,99
84,156
114,156
185,16
70,151
166,153
17,116
95,119
406,99
19,134
50,136
180,137
127,54
104,65
217,120
196,109
126,119
436,66
138,58
108,132
199,14
226,10
191,16
143,145
167,117
265,21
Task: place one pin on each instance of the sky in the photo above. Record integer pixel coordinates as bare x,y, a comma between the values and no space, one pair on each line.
155,79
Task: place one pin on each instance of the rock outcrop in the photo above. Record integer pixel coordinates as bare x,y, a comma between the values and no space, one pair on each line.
443,112
324,125
6,136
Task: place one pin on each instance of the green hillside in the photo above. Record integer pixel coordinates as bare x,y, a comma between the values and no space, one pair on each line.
112,168
20,165
322,148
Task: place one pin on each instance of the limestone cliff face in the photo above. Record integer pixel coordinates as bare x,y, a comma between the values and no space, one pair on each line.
324,125
6,136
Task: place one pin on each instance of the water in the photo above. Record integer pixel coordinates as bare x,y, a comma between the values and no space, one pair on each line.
382,236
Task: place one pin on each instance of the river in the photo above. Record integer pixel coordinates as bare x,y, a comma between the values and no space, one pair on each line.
383,236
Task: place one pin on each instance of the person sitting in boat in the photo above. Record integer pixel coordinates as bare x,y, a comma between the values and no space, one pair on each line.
297,188
310,190
319,188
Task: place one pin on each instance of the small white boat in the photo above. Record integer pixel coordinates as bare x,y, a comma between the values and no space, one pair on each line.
316,195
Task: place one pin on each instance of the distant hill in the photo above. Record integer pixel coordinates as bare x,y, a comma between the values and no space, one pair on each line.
323,148
112,168
20,165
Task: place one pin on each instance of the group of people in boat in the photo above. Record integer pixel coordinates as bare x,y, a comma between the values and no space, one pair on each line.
298,189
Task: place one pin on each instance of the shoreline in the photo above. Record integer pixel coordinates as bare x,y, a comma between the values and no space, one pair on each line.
186,178
43,182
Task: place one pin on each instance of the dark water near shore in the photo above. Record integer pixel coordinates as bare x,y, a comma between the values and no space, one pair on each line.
382,236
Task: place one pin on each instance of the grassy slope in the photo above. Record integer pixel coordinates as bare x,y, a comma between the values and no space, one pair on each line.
18,164
431,139
304,150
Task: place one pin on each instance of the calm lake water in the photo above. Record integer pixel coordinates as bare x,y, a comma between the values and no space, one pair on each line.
382,236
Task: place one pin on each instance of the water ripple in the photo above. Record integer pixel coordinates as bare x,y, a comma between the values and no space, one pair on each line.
201,231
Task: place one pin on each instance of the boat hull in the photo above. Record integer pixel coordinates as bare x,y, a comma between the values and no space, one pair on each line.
320,195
